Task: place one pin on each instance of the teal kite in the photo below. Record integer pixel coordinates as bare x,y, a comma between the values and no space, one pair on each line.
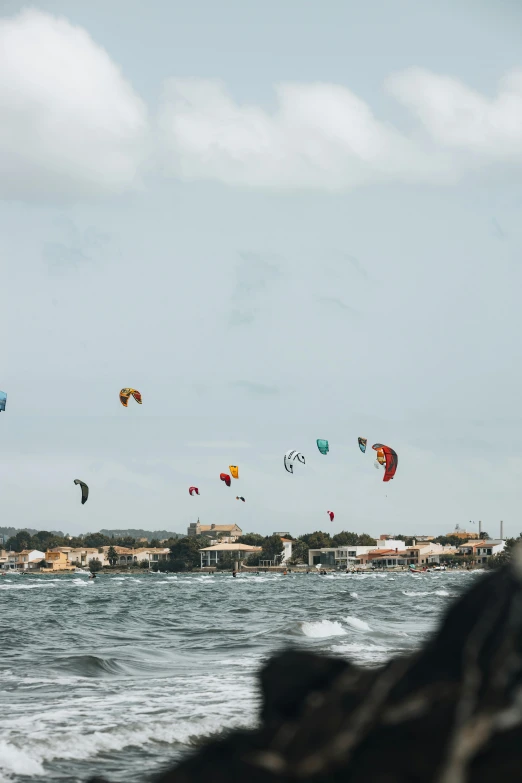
323,447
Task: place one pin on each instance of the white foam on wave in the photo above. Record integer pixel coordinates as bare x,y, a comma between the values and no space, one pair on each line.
16,762
89,745
82,582
354,595
415,592
360,625
441,592
139,717
322,629
25,587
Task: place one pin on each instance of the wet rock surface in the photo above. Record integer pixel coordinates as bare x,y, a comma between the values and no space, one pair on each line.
448,714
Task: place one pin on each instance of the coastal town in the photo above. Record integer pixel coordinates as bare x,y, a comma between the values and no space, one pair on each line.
225,547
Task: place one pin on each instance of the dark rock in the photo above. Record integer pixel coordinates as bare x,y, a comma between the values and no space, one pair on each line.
451,713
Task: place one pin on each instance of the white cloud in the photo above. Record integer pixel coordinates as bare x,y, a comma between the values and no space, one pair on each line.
71,126
458,118
323,136
69,122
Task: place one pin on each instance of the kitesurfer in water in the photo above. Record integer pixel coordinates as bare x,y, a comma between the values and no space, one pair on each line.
93,575
234,573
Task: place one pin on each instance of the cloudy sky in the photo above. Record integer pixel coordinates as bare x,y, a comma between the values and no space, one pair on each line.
280,221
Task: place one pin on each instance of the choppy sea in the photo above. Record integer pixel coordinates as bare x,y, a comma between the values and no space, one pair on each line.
122,674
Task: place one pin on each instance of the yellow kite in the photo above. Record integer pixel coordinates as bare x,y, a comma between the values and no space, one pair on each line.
126,393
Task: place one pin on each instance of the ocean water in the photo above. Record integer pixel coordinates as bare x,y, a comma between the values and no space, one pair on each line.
122,674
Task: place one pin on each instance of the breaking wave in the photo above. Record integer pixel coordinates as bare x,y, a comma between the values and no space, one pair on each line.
322,629
360,625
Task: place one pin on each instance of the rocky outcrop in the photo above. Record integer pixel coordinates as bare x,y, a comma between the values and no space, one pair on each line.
448,714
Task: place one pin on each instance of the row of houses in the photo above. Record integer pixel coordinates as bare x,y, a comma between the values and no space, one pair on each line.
389,553
386,553
68,558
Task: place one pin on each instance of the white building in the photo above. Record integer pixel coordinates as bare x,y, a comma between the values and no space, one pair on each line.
389,543
30,558
484,550
151,554
24,561
481,551
212,555
287,550
338,557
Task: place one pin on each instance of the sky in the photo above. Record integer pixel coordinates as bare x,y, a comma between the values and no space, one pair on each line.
280,221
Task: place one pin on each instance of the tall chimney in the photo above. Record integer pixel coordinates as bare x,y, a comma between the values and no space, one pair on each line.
480,529
501,530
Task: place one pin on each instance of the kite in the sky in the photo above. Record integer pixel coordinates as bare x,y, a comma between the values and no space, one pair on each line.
226,478
390,458
126,393
362,444
3,400
290,456
234,470
194,490
85,490
322,445
240,498
331,515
